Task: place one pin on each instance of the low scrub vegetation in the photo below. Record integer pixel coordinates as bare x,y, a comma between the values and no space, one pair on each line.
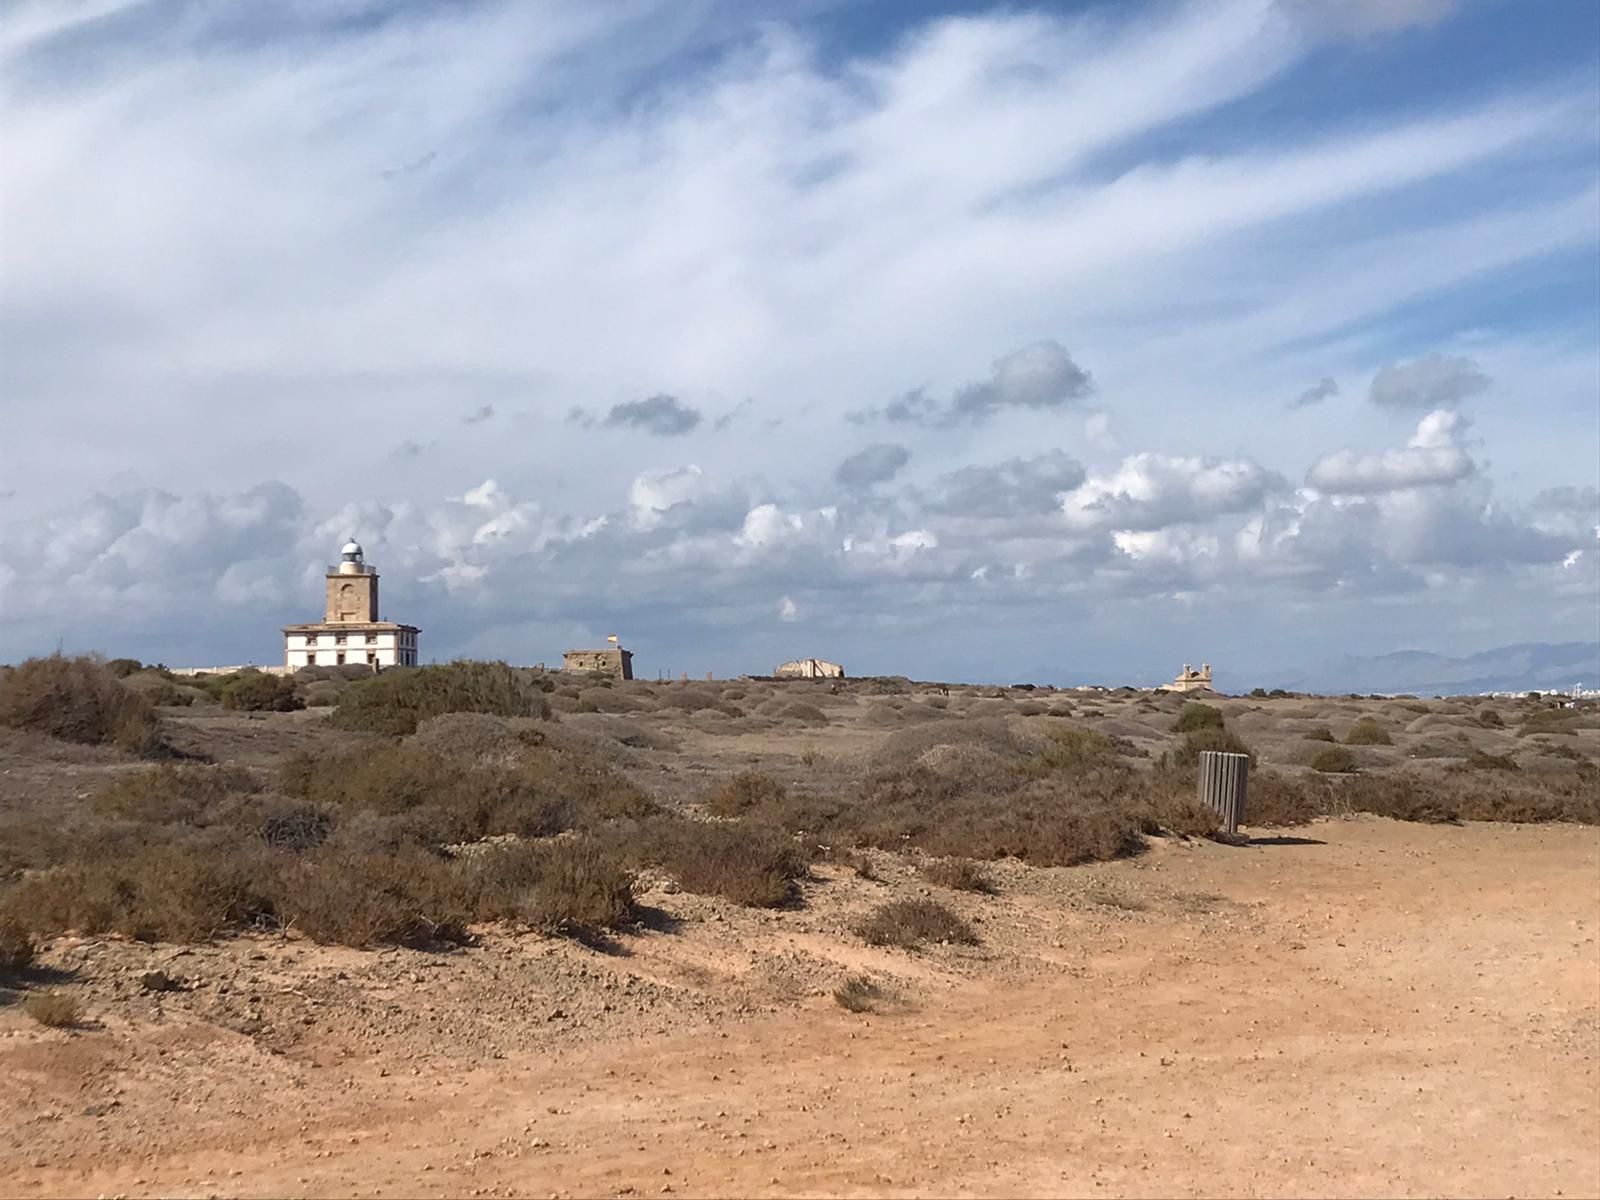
859,994
744,792
398,700
78,700
1367,732
1195,716
911,924
1333,760
54,1009
255,691
959,874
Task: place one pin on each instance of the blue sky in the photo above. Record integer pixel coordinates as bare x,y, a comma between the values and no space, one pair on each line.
954,340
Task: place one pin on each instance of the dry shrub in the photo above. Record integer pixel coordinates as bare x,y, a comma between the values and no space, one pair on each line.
1367,732
1224,741
340,896
321,693
174,793
1333,760
806,714
1479,760
690,699
475,737
1319,733
396,701
55,1009
1275,800
177,891
1490,719
1194,716
1548,720
911,923
1399,795
959,874
255,691
436,799
859,994
78,700
854,860
16,948
743,792
1073,749
569,885
754,865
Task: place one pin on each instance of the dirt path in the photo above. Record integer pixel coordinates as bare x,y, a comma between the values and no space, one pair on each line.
1396,1010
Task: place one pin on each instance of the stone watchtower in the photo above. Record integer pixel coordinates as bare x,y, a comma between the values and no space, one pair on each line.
350,632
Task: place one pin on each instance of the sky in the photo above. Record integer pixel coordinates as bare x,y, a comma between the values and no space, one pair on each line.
1052,342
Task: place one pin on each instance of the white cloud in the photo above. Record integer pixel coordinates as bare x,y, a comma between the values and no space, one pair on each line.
1152,491
1433,381
1432,457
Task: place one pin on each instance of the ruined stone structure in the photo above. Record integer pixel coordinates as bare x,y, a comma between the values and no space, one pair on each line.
613,660
809,668
1190,680
350,631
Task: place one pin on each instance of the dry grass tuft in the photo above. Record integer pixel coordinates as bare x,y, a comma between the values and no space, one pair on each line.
859,994
959,874
399,699
744,792
55,1009
1331,760
909,924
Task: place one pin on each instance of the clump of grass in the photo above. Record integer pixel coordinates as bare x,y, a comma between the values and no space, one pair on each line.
1195,716
861,864
1319,733
859,994
742,792
78,700
1332,760
54,1009
959,874
1490,719
352,898
1276,799
910,924
397,700
1367,732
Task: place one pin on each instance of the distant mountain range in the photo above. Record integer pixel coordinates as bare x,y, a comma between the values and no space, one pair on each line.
1525,667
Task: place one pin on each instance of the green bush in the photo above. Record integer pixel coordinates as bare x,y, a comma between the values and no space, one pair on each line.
397,700
78,700
1194,716
255,691
1224,741
1367,732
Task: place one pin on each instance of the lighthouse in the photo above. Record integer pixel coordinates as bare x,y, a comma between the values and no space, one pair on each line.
351,632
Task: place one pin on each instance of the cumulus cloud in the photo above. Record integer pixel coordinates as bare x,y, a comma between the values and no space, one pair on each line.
1036,378
1433,381
1432,457
660,415
877,463
1152,491
1016,487
1316,395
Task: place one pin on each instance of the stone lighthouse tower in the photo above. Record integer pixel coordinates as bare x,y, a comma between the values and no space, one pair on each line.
350,632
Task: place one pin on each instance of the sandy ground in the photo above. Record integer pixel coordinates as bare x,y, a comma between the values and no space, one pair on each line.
1356,1008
